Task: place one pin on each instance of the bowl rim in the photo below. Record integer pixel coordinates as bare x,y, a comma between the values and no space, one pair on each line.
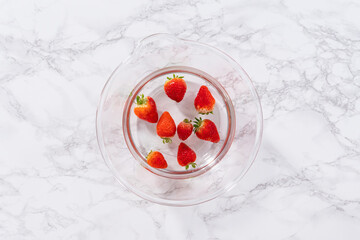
188,202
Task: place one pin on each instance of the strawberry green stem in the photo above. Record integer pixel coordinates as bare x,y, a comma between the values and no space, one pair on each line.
149,154
166,140
187,120
190,164
197,124
140,99
206,113
174,76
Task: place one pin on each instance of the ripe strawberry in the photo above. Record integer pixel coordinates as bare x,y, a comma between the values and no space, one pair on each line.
156,159
184,129
146,109
206,130
186,156
175,88
166,127
204,101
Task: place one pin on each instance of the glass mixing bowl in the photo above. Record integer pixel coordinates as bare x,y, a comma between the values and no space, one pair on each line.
124,140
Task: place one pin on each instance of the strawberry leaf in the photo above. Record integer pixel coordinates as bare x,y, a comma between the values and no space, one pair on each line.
206,113
190,164
174,76
149,154
166,140
140,100
197,124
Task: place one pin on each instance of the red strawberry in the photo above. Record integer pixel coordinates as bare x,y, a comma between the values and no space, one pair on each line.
206,130
175,88
184,129
156,159
146,109
186,156
166,127
204,101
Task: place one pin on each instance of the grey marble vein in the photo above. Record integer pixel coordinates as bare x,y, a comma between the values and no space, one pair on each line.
304,59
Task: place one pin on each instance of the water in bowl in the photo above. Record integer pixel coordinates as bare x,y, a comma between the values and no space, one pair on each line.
143,136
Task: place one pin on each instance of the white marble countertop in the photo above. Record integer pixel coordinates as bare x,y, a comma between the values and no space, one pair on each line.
304,58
